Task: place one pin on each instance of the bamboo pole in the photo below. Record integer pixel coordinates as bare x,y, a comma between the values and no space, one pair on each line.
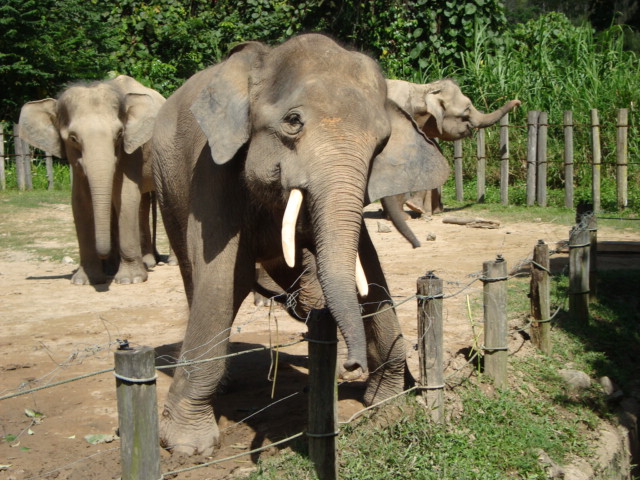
540,303
323,394
430,344
495,320
457,159
622,158
482,166
541,159
532,145
579,273
504,159
137,413
597,160
568,159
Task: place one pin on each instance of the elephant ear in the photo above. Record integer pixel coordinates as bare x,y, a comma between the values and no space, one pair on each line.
409,162
141,111
435,108
39,127
222,107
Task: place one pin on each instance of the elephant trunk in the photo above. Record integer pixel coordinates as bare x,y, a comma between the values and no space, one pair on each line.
100,174
336,215
483,120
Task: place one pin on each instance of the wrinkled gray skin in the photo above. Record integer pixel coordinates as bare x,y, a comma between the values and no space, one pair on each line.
441,111
101,128
228,148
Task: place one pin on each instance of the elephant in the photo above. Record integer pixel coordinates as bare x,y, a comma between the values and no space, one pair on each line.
442,111
102,128
269,157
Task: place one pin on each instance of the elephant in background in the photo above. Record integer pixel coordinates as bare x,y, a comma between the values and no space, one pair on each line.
269,157
102,129
441,111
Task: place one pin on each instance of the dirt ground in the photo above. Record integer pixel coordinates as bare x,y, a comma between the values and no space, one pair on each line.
52,330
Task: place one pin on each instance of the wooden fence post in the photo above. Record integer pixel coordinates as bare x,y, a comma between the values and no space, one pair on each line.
504,159
586,218
622,158
17,145
540,303
494,276
457,159
541,158
482,166
137,413
579,273
532,145
26,152
597,159
430,344
568,159
323,393
3,176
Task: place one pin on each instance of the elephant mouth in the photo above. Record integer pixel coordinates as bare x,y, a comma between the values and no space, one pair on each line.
288,233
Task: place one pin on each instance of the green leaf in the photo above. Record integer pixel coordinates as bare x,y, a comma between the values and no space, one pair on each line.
32,413
470,9
417,33
10,437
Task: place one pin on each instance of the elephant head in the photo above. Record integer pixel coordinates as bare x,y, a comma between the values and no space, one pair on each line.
441,110
319,131
90,124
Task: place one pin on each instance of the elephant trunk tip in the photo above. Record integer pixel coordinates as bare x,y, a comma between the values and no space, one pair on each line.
353,364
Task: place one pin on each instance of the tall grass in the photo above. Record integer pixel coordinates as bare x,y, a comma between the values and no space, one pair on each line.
553,66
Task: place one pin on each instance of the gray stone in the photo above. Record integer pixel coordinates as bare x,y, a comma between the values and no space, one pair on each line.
575,379
383,227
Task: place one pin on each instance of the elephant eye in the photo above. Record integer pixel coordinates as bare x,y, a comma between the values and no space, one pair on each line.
73,138
292,123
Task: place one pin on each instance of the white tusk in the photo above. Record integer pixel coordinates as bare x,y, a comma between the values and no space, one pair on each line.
289,226
361,279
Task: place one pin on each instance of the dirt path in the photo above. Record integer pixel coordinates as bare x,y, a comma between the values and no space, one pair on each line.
52,330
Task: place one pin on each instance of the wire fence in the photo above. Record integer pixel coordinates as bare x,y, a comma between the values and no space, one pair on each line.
453,377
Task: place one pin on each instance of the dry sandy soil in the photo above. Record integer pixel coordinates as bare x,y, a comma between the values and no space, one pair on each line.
52,330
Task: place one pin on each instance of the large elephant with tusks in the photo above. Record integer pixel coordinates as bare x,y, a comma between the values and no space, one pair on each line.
266,157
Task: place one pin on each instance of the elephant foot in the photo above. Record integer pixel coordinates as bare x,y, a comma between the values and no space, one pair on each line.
260,300
134,272
81,277
382,385
172,260
199,436
149,260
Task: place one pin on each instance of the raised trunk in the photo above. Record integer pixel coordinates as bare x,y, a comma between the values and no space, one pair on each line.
336,212
100,173
483,120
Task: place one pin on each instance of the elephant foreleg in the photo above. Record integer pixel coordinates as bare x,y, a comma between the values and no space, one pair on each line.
188,422
127,198
90,270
